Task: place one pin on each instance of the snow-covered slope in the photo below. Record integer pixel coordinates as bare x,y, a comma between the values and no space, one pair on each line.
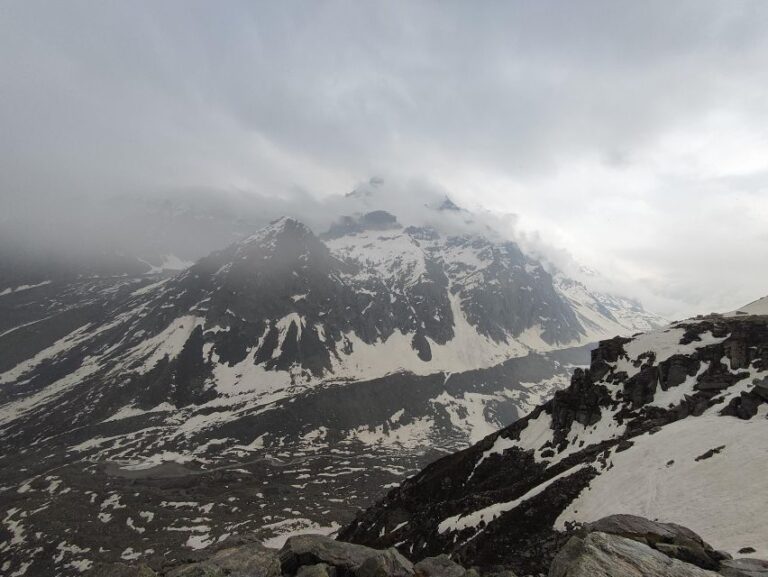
758,307
605,313
287,364
670,425
283,309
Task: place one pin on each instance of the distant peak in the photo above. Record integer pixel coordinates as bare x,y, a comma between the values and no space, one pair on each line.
380,220
283,222
448,204
366,189
282,225
375,220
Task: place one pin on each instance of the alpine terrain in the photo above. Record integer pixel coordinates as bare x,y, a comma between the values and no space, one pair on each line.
669,425
273,387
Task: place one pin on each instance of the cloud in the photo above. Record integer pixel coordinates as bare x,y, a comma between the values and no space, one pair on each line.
629,135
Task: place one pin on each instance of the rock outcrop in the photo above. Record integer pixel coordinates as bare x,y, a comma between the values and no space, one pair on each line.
667,424
615,546
602,555
631,546
347,558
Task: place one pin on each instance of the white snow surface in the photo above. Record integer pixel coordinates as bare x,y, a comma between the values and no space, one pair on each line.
758,307
23,287
720,497
658,477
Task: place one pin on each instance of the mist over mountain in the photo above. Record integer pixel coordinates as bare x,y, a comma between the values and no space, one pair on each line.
395,289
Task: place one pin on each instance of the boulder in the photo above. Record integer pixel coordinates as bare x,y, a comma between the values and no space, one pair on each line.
387,563
642,529
603,555
671,539
303,550
761,388
249,560
744,568
440,566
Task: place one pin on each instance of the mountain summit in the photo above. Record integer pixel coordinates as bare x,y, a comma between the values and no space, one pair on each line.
287,364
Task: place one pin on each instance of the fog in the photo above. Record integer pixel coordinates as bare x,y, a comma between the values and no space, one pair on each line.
627,137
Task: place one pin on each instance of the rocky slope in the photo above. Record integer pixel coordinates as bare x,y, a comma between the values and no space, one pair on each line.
669,424
252,389
616,546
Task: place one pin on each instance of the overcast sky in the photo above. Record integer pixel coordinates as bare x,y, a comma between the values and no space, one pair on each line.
633,135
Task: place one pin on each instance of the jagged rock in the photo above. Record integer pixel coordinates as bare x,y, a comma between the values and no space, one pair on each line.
313,549
671,539
249,560
580,403
121,570
641,388
676,369
498,503
608,353
744,568
761,388
603,555
440,566
387,563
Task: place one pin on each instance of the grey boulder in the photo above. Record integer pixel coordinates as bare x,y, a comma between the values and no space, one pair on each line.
440,566
603,555
671,539
347,557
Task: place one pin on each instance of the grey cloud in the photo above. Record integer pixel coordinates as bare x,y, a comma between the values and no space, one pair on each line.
522,107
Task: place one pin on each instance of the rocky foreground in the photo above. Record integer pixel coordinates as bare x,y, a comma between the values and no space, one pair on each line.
615,546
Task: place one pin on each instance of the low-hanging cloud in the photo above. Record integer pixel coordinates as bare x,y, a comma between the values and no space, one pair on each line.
629,135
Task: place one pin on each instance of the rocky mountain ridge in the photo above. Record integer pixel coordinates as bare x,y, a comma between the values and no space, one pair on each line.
281,371
668,425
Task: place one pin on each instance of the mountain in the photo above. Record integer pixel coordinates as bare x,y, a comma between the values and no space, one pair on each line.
605,313
669,425
252,389
758,307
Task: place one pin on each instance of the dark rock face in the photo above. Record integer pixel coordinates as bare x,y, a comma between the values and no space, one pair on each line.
501,497
580,403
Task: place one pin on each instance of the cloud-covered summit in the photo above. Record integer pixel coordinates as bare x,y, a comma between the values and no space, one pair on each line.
629,133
